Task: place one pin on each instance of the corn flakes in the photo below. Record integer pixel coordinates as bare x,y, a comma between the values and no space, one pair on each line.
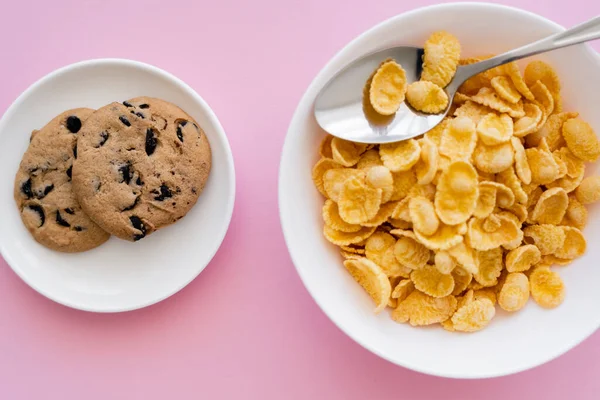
426,97
522,258
474,111
379,177
370,276
325,148
445,237
334,178
494,159
543,97
444,262
440,60
420,309
544,169
457,193
541,71
432,282
581,139
368,159
487,97
512,70
482,240
486,201
459,139
388,88
574,245
529,123
347,238
358,203
514,293
486,293
547,289
576,215
400,156
506,89
427,166
410,252
332,218
319,170
422,214
345,152
494,129
403,289
522,168
490,266
473,316
551,207
588,191
547,238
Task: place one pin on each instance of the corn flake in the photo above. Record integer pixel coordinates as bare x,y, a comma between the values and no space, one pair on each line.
512,70
551,207
370,276
522,168
334,179
506,89
552,130
574,245
543,97
420,309
325,147
368,159
514,293
380,177
462,279
332,218
427,166
457,193
490,266
422,214
547,288
486,293
346,238
494,159
576,215
588,191
400,156
541,71
495,129
465,256
445,237
426,97
432,282
482,240
547,238
581,139
384,213
444,262
487,97
543,166
403,182
529,123
345,152
474,111
473,316
486,201
319,170
410,252
388,88
358,203
435,134
575,166
522,258
440,59
459,139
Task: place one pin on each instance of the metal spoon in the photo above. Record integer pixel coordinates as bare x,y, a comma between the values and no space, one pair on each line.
339,107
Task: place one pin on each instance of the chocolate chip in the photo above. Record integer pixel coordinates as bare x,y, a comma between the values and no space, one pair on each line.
44,193
70,172
139,114
40,211
131,207
124,120
151,141
26,188
103,138
78,228
194,190
73,124
69,211
179,134
126,173
162,193
75,151
144,106
137,223
127,104
183,123
139,181
61,221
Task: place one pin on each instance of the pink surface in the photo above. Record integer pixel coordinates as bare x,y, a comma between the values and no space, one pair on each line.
246,328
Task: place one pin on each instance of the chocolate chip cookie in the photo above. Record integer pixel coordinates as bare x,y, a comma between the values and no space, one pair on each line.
43,190
141,166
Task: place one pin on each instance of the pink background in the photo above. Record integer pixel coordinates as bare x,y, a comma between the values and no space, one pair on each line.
246,328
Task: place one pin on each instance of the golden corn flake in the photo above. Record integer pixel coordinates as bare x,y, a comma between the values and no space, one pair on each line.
440,60
491,223
495,129
404,288
392,267
410,252
486,201
490,266
334,179
346,238
581,139
550,259
529,123
489,98
423,216
384,213
588,191
547,238
547,288
514,293
432,282
473,316
370,276
401,211
567,183
403,182
368,159
465,256
505,196
541,71
444,262
506,89
521,164
486,293
460,98
420,309
474,111
358,202
345,152
319,170
552,130
400,156
551,207
426,97
325,148
353,249
544,169
332,218
522,258
494,159
457,193
576,215
445,237
519,211
435,134
459,139
462,279
388,88
543,97
428,191
574,245
380,177
347,255
377,244
512,70
482,240
400,224
427,166
575,166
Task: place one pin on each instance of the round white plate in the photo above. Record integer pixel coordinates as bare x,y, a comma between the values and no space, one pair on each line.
119,275
511,343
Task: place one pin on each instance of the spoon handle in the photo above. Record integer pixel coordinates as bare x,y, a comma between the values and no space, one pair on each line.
584,32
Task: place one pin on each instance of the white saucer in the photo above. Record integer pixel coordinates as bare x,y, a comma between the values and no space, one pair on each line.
119,275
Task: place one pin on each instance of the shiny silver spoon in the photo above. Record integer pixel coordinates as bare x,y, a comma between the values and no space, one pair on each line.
339,107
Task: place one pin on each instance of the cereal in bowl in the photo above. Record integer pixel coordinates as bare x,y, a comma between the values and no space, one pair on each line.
471,216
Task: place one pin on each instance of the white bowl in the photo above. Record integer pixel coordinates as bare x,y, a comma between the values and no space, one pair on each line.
118,275
511,343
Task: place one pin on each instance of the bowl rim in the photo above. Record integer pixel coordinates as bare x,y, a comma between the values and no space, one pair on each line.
288,230
218,130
